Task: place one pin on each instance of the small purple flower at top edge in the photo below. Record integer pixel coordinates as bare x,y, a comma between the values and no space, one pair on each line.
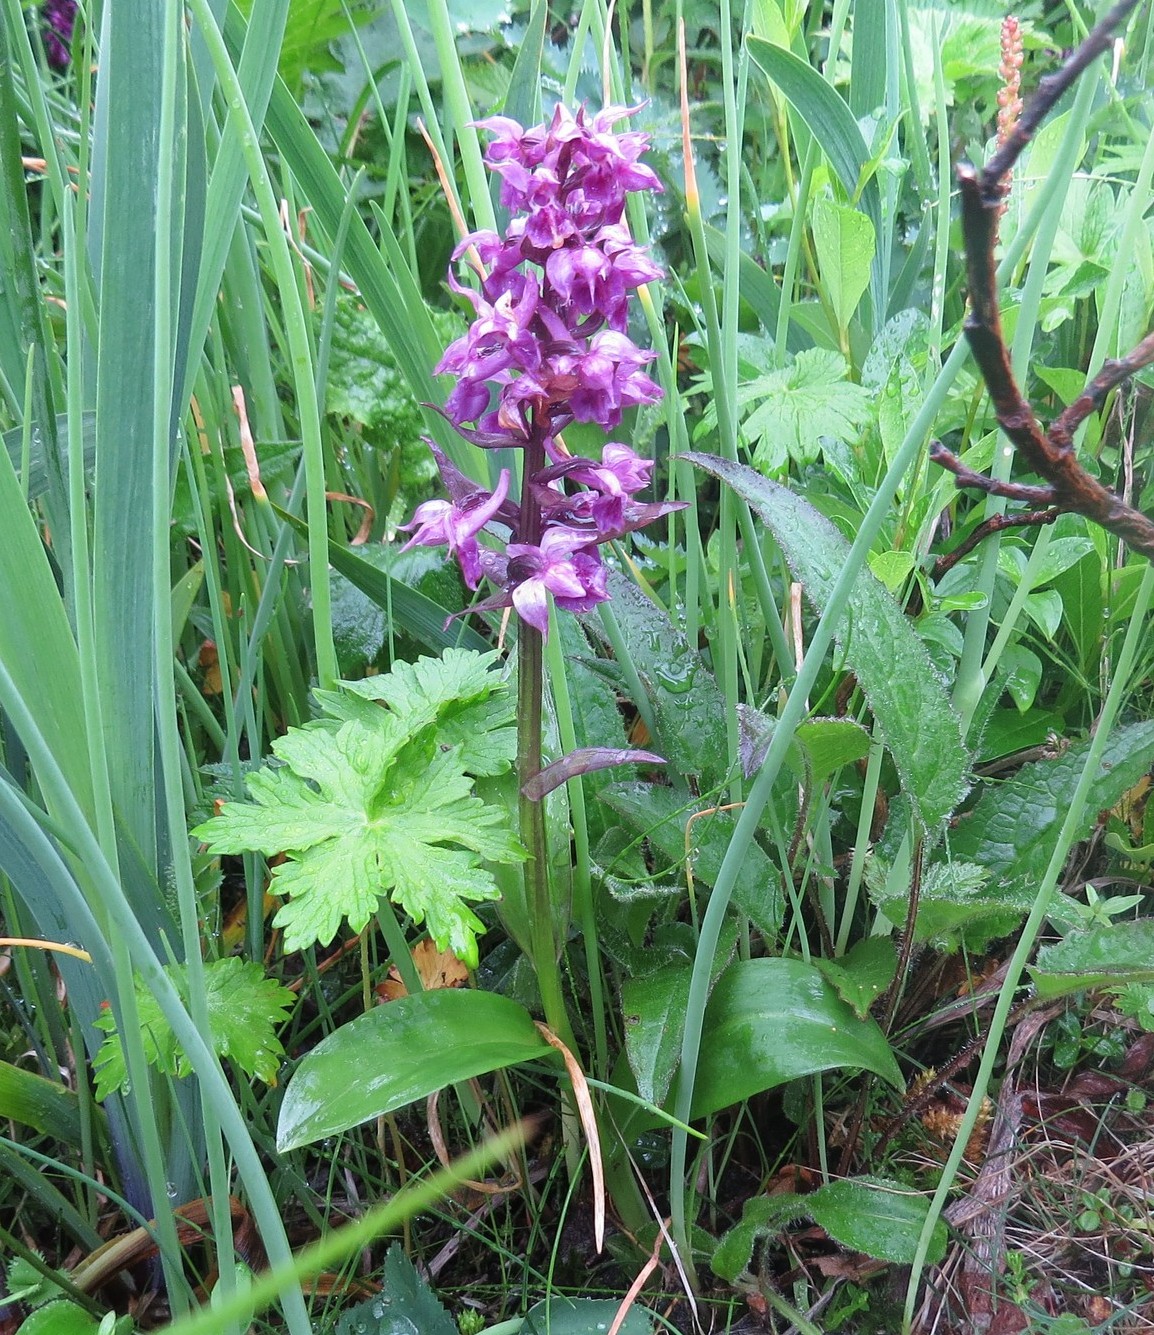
59,19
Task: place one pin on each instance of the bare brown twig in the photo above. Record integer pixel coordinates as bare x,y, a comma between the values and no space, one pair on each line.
1068,486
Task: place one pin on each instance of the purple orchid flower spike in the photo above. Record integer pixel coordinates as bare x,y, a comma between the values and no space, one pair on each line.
549,346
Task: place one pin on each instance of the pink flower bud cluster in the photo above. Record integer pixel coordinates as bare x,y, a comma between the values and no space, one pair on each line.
548,346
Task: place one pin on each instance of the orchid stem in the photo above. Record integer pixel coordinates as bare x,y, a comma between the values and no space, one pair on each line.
530,694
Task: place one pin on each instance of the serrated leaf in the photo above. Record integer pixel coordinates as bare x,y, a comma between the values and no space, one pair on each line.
399,1053
404,1305
789,410
661,814
382,805
244,1008
1107,956
876,1216
1013,827
908,699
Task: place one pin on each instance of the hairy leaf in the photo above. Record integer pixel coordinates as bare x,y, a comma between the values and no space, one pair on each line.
1012,830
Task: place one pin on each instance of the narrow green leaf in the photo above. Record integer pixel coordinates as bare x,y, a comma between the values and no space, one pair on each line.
845,241
892,665
399,1053
413,613
44,1105
772,1020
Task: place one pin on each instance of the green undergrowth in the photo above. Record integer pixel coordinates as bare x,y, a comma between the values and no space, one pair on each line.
271,1051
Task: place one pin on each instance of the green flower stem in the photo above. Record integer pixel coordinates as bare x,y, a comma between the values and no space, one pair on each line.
530,691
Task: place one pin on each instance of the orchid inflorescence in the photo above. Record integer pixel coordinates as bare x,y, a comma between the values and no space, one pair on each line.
548,347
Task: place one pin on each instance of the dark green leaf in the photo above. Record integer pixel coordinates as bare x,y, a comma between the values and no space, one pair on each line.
1014,826
772,1020
404,1305
583,1316
873,1215
863,973
1107,956
761,1216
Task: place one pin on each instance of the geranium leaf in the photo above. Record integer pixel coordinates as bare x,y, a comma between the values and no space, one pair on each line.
374,802
244,1008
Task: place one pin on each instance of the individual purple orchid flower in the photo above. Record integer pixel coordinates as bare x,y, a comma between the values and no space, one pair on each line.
549,346
456,525
566,565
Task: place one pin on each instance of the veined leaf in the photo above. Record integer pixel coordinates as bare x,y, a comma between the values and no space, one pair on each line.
845,241
382,805
789,410
1111,955
1013,827
892,665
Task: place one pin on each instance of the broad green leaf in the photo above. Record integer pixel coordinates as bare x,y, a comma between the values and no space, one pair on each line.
404,1305
830,743
366,807
772,1020
1014,825
845,242
399,1053
1023,675
1111,955
892,568
60,1318
244,1009
472,705
653,1008
825,113
583,1316
835,129
959,903
688,705
863,973
892,665
876,1216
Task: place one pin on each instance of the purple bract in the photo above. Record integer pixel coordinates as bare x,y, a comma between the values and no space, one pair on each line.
58,18
547,347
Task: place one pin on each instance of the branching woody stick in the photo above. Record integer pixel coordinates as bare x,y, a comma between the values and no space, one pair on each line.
1050,454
